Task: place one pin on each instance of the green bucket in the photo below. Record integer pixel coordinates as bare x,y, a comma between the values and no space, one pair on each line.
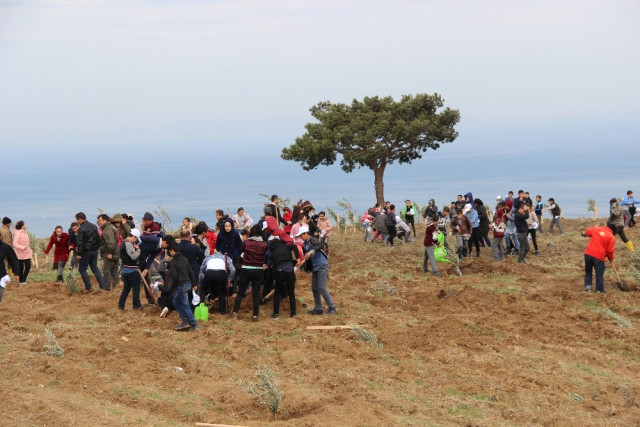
201,313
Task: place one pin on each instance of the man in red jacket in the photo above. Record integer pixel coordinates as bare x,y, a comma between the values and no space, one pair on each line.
601,246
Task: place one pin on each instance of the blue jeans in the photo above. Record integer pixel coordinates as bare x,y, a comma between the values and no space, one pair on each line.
90,259
319,288
181,303
131,282
591,263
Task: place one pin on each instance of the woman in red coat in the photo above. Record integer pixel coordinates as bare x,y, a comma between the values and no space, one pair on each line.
61,254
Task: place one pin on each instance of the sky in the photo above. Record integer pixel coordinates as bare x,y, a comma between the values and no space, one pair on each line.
183,81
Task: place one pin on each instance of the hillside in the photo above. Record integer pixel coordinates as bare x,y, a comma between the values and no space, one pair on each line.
505,344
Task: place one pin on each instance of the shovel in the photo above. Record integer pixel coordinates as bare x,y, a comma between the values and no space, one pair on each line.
621,283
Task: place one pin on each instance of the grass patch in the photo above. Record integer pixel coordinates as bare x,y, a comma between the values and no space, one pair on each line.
466,411
506,290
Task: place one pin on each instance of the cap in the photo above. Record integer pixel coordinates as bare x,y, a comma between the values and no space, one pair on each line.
302,230
135,232
498,197
147,216
467,208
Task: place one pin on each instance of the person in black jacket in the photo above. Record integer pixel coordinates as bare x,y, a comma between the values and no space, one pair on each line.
87,245
522,229
191,251
7,254
283,258
183,281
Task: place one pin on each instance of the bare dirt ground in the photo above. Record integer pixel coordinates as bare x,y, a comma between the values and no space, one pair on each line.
505,344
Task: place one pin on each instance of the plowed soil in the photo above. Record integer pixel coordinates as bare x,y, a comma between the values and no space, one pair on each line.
504,344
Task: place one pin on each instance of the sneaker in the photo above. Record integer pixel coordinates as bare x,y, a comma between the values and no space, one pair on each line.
292,316
164,312
332,311
195,328
274,316
254,319
121,308
588,289
315,312
137,308
22,284
536,253
183,326
437,273
234,315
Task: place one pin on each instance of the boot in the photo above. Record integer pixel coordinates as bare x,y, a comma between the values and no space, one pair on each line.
59,278
630,245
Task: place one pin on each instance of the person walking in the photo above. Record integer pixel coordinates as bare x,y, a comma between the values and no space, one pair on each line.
185,281
22,246
616,221
628,208
60,240
87,245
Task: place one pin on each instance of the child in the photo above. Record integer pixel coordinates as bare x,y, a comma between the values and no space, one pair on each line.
498,226
430,237
461,228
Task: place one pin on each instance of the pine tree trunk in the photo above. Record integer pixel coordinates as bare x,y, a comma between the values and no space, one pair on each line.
378,173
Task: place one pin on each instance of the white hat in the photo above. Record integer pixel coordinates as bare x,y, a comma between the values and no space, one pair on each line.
467,208
264,225
302,230
498,197
135,232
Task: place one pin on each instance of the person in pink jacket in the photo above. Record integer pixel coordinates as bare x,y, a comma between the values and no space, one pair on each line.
22,247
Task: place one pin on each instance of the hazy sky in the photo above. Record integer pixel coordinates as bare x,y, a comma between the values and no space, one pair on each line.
192,72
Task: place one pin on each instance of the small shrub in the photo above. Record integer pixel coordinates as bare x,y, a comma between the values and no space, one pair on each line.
266,390
71,282
52,348
365,335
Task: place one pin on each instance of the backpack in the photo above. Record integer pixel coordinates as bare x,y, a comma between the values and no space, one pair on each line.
391,220
499,228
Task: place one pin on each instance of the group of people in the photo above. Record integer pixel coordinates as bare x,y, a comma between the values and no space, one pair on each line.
224,264
15,253
515,222
236,257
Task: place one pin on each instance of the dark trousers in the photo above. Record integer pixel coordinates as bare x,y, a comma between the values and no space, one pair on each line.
89,259
285,285
25,267
392,235
254,276
131,283
590,264
215,283
475,240
410,221
532,232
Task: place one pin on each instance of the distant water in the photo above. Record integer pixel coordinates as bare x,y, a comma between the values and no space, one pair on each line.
49,185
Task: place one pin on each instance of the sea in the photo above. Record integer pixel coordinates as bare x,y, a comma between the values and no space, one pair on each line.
47,183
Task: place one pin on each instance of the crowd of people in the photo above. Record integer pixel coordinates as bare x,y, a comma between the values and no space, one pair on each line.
217,266
515,221
237,258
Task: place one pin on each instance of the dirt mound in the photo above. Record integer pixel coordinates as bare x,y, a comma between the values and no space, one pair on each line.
503,344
